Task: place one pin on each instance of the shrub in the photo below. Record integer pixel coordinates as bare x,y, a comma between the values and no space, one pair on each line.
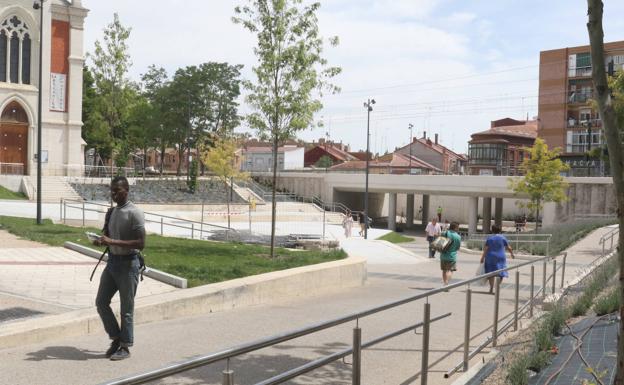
192,181
517,374
609,303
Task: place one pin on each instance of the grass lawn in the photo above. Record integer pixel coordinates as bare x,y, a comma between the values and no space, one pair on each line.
395,238
200,262
8,194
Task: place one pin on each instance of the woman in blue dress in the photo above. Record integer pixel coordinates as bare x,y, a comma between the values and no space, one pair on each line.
494,254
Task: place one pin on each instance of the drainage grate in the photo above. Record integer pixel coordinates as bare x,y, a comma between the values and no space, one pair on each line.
14,313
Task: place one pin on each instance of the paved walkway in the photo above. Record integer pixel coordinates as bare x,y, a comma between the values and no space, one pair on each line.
80,359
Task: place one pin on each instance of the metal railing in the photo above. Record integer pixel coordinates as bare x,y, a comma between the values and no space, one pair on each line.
609,237
194,227
11,169
510,320
519,241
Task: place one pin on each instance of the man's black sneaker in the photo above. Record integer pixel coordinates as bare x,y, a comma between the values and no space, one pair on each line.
114,346
121,354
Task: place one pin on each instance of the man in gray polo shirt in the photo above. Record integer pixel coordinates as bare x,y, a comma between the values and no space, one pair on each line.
124,234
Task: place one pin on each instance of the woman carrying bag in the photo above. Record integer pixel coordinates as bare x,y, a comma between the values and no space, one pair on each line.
494,255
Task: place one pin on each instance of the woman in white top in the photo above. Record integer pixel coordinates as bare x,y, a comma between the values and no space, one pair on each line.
347,223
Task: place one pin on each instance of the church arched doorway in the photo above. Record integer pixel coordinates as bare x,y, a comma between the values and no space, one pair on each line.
14,140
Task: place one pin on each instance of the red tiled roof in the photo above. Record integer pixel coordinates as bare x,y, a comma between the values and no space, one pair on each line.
527,130
340,155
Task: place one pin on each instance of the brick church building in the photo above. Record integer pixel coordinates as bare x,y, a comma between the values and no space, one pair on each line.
62,62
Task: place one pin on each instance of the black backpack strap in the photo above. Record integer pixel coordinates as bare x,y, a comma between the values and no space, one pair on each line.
142,267
107,220
98,262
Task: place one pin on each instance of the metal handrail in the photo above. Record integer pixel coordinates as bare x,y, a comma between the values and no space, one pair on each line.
273,340
81,206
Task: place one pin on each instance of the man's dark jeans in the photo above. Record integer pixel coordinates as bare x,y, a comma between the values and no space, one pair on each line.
121,274
431,249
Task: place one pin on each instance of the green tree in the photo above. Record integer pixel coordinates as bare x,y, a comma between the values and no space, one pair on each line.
324,162
94,131
608,96
220,158
154,85
203,100
290,72
542,181
111,62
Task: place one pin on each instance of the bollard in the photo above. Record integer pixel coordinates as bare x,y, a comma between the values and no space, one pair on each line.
496,299
467,329
516,299
357,356
425,345
161,226
554,282
531,291
565,256
544,280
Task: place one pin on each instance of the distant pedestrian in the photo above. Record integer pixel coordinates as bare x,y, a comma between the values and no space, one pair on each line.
439,211
252,204
494,254
432,231
362,222
347,224
448,258
124,234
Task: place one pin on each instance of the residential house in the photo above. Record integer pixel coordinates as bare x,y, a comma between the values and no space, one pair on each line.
435,154
337,152
501,149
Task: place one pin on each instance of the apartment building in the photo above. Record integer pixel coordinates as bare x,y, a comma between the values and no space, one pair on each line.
566,117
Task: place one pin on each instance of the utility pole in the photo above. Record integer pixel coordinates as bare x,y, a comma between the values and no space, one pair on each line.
411,128
369,107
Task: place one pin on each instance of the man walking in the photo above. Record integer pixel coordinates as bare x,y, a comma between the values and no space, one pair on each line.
439,211
432,231
124,234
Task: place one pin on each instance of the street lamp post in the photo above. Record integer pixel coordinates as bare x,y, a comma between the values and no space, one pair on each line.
411,128
39,5
369,107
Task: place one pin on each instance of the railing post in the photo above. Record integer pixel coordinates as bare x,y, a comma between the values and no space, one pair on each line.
544,280
565,256
531,291
323,222
357,356
83,214
61,210
424,367
603,247
516,299
64,212
496,300
192,230
228,375
161,226
554,276
201,226
467,329
611,248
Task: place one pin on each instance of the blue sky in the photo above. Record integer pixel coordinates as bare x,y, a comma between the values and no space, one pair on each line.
446,66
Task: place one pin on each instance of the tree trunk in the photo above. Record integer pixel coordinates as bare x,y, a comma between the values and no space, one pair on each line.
614,144
162,159
273,203
537,213
228,202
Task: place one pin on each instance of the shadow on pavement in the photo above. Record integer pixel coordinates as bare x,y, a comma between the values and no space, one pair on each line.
70,353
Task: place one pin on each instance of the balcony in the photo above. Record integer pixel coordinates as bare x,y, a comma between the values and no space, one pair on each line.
579,97
575,123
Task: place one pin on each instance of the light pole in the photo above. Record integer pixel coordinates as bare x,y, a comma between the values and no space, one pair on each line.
39,5
369,107
411,128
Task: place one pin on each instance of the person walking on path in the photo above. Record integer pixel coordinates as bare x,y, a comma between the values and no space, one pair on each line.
347,223
124,234
362,222
439,211
432,231
448,258
494,255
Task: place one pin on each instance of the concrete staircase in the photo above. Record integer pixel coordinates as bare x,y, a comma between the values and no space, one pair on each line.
53,189
247,193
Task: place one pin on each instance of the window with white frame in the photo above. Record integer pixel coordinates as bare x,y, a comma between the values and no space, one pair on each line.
15,51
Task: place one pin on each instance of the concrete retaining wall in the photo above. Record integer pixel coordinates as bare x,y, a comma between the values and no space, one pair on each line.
11,182
255,290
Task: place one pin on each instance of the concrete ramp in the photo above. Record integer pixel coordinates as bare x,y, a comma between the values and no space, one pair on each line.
379,252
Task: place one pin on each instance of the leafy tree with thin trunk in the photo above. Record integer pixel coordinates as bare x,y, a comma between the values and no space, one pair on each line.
111,62
220,158
290,73
609,104
542,181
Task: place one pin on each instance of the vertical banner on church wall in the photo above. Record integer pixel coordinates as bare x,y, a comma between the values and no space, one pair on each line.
58,90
